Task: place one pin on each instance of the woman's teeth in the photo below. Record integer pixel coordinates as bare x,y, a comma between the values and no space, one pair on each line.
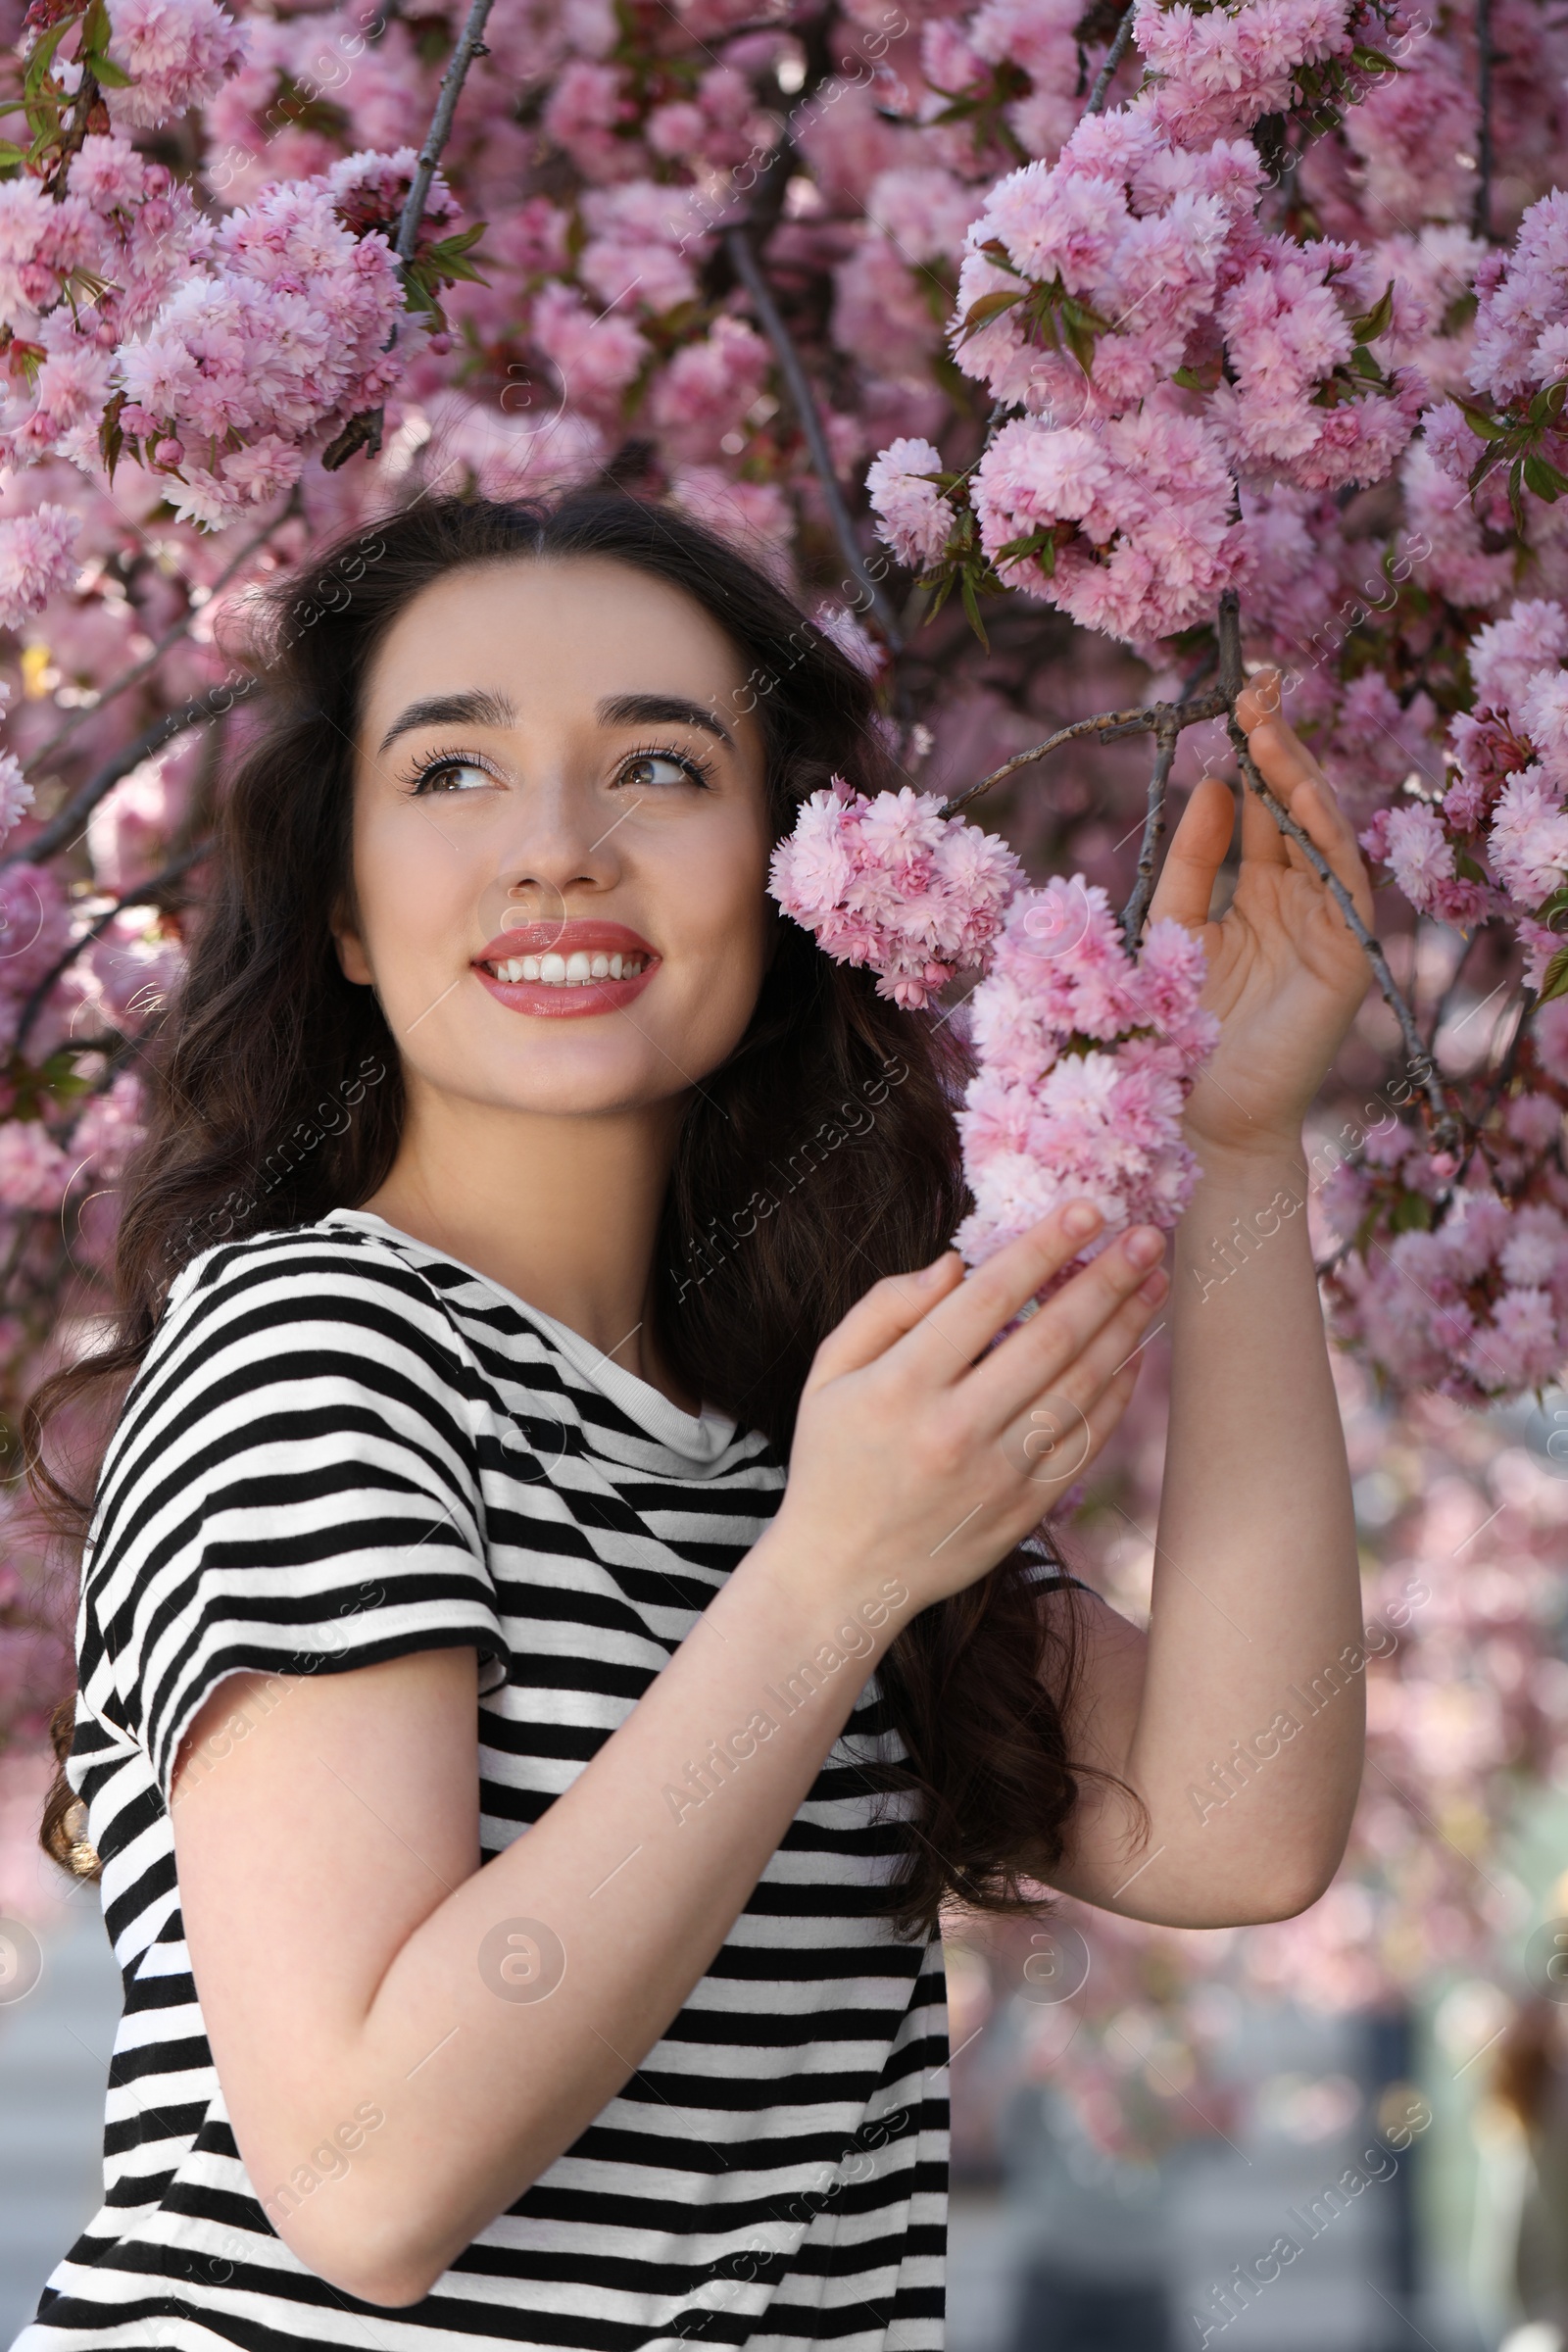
576,971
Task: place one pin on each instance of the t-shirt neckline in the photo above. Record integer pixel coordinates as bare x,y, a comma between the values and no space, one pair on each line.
700,1437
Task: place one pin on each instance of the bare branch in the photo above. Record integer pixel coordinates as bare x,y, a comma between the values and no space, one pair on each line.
66,828
1481,213
748,270
1166,736
1108,725
364,430
170,636
141,894
469,46
1113,57
1447,1132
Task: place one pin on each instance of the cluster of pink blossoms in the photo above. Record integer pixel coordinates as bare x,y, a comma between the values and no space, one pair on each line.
179,54
1162,349
1519,351
1086,1057
1496,842
1217,71
893,884
1476,1307
271,348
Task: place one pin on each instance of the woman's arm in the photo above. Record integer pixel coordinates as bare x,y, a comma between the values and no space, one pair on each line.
420,2035
1239,1721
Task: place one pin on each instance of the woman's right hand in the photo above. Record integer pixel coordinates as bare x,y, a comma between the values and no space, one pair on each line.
921,1450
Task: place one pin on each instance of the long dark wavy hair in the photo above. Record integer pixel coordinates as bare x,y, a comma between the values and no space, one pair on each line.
266,1034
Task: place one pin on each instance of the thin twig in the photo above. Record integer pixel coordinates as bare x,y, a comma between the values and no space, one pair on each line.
748,270
1167,734
469,46
364,430
140,894
1108,725
1481,212
1447,1129
1113,57
170,636
61,831
88,93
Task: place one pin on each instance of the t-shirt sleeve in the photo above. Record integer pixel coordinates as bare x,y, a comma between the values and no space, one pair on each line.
292,1486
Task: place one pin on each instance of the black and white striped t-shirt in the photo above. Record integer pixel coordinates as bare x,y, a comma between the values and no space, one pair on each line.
342,1446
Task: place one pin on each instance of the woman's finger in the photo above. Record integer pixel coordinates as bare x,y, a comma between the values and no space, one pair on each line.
944,1345
1322,820
1038,1354
1053,1443
1199,848
890,1308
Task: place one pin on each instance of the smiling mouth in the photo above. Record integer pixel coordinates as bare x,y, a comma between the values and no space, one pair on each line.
581,969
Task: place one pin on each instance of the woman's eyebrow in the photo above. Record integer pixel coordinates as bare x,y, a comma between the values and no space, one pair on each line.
654,710
474,707
486,707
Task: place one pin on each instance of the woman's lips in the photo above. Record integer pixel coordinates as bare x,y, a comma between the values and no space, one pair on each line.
565,952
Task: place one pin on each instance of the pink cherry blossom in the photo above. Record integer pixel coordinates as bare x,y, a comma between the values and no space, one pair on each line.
892,883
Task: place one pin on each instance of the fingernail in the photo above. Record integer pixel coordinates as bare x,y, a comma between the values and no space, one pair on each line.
1144,1244
1080,1219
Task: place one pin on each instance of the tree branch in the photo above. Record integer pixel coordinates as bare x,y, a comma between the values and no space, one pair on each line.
170,636
364,430
1168,733
469,46
1113,57
1108,725
1481,213
141,894
66,828
1447,1132
748,270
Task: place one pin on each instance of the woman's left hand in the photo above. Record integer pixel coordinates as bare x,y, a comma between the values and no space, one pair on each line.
1286,972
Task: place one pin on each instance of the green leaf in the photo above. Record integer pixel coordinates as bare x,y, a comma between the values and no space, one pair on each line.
1549,403
1412,1213
971,605
944,591
1466,867
1556,982
988,307
994,251
1556,905
1198,379
1377,320
42,57
1543,479
105,71
1482,422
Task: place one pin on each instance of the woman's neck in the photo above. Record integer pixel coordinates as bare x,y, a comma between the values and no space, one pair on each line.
561,1211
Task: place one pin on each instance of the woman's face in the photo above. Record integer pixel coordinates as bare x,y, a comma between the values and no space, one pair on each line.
560,839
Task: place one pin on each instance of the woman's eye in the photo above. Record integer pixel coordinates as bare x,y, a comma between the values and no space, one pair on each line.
434,779
650,768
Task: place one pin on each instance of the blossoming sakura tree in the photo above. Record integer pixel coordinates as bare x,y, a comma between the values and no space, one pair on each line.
1069,359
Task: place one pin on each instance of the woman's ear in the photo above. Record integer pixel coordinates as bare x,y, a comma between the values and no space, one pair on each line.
351,956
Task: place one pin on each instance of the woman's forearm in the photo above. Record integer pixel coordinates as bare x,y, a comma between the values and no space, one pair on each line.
498,2045
1247,1749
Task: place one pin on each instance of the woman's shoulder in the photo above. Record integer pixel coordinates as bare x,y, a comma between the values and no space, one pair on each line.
289,1287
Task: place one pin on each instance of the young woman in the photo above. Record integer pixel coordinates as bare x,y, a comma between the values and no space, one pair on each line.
522,1815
